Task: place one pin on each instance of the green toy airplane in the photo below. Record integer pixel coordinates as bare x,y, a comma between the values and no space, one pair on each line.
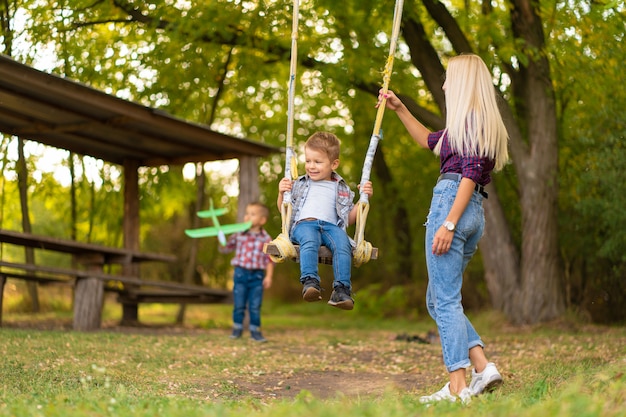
217,230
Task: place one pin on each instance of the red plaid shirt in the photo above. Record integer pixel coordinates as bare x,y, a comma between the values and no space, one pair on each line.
248,247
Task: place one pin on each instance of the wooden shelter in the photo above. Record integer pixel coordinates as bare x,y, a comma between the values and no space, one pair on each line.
65,114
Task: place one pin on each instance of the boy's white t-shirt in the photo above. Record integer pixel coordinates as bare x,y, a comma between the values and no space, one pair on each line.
321,202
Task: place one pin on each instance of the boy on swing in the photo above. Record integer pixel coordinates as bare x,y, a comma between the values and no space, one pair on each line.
323,208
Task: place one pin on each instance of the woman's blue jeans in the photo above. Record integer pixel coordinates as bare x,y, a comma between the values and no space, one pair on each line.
247,291
310,235
445,273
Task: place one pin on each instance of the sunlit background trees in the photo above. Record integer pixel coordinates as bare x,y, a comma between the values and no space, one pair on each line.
226,64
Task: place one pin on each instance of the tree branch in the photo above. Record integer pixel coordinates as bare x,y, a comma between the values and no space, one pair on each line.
442,16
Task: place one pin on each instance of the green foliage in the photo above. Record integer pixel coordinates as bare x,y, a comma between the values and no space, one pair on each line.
226,64
394,302
593,158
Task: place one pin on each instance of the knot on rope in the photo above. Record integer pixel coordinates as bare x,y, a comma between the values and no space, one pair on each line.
362,253
285,249
282,242
363,250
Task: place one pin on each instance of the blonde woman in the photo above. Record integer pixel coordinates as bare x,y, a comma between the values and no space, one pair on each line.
471,147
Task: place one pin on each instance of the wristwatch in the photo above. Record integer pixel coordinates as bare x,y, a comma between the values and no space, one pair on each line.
449,225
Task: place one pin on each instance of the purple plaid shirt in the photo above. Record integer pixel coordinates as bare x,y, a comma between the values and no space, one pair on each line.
476,168
248,247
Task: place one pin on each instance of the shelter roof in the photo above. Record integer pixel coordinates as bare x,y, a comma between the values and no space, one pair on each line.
65,114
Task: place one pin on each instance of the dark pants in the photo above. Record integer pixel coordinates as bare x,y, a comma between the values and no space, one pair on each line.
248,291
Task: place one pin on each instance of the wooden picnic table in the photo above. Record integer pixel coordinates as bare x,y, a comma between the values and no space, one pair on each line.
87,253
89,281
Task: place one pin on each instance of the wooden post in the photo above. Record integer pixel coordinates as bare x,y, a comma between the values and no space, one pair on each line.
248,184
248,193
130,312
88,295
88,301
3,280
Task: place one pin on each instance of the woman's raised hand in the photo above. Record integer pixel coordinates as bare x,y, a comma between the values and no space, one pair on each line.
392,101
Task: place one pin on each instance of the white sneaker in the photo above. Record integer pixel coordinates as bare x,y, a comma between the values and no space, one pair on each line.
444,394
485,381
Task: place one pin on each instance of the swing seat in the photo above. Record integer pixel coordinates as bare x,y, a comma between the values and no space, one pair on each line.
325,256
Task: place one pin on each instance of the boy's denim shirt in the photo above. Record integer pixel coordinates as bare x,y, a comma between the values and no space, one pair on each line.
345,197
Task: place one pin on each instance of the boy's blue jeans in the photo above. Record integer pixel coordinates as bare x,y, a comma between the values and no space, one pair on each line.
310,235
247,291
445,273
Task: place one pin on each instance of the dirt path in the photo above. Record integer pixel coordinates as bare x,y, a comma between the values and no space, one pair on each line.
329,384
302,361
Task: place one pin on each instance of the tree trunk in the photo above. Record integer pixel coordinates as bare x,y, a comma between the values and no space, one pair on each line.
541,295
22,180
73,201
400,221
500,256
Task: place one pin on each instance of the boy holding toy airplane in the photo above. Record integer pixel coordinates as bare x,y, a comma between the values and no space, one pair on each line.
253,270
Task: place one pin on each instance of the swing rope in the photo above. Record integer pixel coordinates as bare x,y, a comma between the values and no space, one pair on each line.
282,242
363,250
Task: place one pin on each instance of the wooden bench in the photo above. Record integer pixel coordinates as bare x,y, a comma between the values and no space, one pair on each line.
131,290
40,279
89,278
184,295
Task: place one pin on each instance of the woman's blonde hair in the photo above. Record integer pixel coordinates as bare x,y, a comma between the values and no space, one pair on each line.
473,122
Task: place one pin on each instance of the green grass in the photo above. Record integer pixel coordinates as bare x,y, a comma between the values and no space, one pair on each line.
561,369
